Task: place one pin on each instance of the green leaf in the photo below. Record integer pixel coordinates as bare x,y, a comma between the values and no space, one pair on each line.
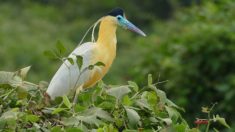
220,120
151,98
73,129
6,77
98,112
205,110
142,103
180,127
134,86
107,105
99,63
128,130
21,93
194,130
153,119
60,47
71,121
104,115
70,60
79,61
97,93
79,108
90,116
118,92
162,95
133,116
215,130
91,67
83,127
90,119
11,124
23,72
118,121
150,79
173,113
50,54
32,118
16,81
170,103
168,121
67,102
56,129
11,114
126,100
58,110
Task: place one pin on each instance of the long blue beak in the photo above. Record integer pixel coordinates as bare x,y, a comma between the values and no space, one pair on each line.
128,25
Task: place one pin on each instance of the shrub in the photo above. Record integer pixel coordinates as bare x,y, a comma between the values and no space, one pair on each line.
104,108
195,53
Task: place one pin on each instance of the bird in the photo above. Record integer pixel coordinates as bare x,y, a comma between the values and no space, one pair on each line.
69,77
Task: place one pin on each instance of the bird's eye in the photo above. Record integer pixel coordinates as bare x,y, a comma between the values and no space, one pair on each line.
119,17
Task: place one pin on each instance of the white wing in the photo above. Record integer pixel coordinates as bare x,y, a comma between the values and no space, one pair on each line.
67,77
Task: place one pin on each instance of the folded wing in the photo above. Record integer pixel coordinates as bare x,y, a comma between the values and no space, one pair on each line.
69,76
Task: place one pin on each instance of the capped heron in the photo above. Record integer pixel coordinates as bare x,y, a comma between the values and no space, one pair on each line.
69,77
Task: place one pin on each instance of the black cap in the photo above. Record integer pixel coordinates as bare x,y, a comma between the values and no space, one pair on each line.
116,11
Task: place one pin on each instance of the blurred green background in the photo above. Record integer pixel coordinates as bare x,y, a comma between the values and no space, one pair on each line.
191,43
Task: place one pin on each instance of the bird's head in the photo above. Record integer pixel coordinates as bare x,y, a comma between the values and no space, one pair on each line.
119,18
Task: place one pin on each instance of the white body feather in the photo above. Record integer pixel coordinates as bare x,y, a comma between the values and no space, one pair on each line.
68,77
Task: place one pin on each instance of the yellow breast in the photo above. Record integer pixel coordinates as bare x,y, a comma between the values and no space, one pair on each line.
105,55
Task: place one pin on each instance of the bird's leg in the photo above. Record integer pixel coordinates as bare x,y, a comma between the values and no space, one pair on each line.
76,94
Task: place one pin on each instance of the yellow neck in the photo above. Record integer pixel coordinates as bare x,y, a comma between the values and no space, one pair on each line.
107,32
106,48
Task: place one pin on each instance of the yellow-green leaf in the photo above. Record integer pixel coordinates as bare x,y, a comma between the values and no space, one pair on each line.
134,86
133,116
60,47
32,118
79,61
118,92
150,79
58,110
24,71
205,110
49,54
99,63
70,60
67,102
220,120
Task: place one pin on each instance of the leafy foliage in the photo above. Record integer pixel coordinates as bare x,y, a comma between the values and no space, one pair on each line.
195,52
104,108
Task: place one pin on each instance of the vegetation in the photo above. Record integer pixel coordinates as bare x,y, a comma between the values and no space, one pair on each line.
104,108
196,57
190,43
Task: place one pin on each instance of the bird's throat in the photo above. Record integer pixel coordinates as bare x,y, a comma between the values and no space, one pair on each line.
106,43
107,32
